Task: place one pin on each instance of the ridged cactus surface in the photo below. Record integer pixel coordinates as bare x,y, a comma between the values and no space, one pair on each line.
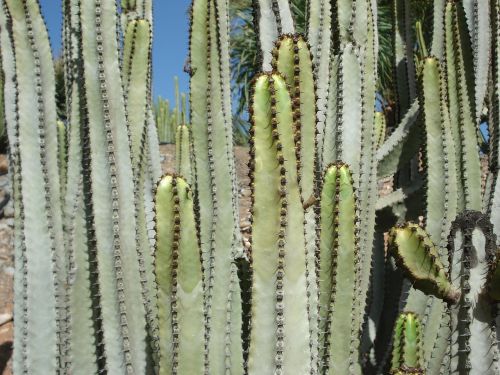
120,272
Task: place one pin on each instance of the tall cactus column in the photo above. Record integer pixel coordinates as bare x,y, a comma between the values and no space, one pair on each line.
291,58
112,193
338,276
215,183
179,276
474,347
42,271
280,339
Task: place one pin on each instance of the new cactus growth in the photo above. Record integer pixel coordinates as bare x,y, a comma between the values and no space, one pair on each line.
418,257
407,351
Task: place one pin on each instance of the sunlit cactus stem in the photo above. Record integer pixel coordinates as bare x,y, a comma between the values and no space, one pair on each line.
338,274
407,345
179,278
280,338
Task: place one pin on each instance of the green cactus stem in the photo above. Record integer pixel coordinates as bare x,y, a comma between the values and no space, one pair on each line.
415,253
112,193
215,181
280,338
403,54
461,108
493,200
338,274
292,59
183,153
274,18
439,155
62,151
474,347
407,350
180,280
34,130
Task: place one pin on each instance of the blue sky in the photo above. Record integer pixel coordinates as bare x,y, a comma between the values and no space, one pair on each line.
170,45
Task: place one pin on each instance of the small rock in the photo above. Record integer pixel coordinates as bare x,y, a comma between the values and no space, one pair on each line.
5,318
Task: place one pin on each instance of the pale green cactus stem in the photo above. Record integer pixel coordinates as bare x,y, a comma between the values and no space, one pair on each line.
183,153
319,37
164,121
402,144
291,58
86,344
407,345
338,273
215,182
136,60
439,155
478,20
359,154
440,205
493,198
19,357
111,174
280,338
403,53
180,280
274,18
416,254
437,46
461,108
62,153
473,341
380,129
348,132
2,101
136,84
44,271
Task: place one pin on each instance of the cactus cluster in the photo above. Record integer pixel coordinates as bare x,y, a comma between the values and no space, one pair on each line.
168,120
122,271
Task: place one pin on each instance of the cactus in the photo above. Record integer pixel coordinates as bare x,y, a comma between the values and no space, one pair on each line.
473,340
280,338
180,282
418,257
114,276
183,153
215,184
338,272
407,352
